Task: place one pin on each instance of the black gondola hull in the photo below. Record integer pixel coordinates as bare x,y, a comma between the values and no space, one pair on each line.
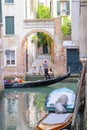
37,83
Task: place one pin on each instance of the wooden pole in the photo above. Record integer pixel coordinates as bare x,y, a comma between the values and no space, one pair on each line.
77,104
85,111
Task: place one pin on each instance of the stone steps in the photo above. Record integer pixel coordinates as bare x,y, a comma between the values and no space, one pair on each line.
72,78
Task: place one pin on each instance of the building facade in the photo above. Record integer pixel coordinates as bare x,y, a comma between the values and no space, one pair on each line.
15,53
1,51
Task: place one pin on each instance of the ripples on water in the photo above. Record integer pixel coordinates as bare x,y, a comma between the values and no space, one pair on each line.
21,109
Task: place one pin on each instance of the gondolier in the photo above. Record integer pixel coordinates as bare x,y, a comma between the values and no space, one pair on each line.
45,66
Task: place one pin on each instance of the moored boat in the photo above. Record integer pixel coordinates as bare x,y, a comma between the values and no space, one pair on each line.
56,94
55,121
59,117
37,83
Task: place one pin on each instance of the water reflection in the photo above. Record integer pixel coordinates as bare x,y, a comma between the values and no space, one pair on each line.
21,109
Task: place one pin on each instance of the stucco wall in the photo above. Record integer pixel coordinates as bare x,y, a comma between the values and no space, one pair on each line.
23,29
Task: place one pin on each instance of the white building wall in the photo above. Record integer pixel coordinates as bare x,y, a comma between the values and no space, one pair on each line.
14,42
45,2
75,16
17,10
54,8
30,9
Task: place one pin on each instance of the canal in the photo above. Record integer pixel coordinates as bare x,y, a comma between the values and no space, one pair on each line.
21,109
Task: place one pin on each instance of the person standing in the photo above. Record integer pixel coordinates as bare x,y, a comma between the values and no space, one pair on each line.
45,66
34,70
40,72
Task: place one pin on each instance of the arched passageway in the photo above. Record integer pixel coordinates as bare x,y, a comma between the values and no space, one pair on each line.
31,50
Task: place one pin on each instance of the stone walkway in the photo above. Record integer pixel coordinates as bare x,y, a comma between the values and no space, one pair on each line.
39,62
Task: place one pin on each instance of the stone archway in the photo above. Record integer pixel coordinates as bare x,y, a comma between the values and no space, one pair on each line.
25,53
53,29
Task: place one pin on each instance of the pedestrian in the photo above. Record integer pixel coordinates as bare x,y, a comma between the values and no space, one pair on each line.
40,72
45,66
50,72
34,70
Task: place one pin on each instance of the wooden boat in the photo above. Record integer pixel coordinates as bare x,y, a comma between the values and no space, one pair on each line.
58,121
55,121
36,83
56,94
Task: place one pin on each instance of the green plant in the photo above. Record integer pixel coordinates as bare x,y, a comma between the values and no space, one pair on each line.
66,26
43,12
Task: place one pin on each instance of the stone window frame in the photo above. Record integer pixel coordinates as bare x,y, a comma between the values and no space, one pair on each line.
10,62
62,7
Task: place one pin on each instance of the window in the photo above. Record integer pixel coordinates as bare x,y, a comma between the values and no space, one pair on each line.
9,1
9,24
63,7
10,57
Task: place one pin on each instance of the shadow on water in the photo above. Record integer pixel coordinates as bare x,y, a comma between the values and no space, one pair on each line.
21,109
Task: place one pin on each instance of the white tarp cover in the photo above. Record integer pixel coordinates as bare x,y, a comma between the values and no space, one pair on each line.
56,94
54,118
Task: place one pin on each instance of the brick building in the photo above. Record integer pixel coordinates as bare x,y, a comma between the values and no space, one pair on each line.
17,43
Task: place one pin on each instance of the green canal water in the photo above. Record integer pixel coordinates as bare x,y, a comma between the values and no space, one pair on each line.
21,109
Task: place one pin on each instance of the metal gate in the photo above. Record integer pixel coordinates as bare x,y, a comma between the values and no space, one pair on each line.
73,60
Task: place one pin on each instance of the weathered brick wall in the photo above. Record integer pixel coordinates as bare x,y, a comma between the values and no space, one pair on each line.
59,51
60,62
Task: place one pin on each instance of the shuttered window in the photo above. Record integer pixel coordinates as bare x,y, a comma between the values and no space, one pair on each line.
9,24
10,57
9,1
68,7
63,7
58,8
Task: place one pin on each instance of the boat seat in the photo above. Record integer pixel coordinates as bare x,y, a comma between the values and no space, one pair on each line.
54,118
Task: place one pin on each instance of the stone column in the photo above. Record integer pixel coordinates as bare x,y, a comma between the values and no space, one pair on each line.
83,30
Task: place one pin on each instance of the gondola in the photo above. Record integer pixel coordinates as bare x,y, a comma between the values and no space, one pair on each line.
36,83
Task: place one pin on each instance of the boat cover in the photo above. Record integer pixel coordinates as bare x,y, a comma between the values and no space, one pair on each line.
57,93
53,118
